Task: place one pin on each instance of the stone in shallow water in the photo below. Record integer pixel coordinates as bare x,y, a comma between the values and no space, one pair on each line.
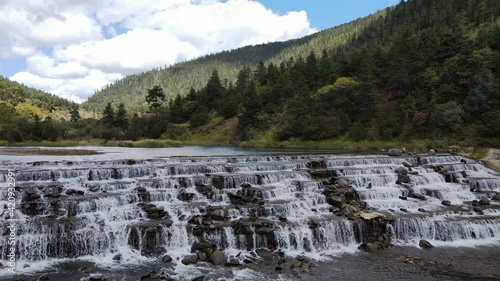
425,244
446,202
191,259
217,257
371,216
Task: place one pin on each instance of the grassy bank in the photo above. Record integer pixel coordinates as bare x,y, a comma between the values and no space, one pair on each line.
346,144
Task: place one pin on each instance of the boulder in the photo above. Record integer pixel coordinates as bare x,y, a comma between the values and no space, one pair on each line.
417,196
201,256
371,216
343,183
191,259
485,202
217,257
245,185
446,203
425,244
395,152
403,210
217,214
407,164
117,257
403,198
283,218
402,171
336,201
166,259
402,179
496,197
185,196
233,262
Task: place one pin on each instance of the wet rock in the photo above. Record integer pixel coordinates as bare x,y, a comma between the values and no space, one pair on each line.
402,179
283,218
217,214
446,203
403,210
403,198
155,276
97,277
484,202
336,201
233,262
425,244
263,253
264,230
117,257
217,257
422,210
86,269
395,152
218,182
32,196
417,196
191,259
204,189
313,223
476,203
245,185
316,164
202,245
199,278
343,183
496,197
201,256
464,208
166,259
478,210
349,210
186,196
371,215
407,164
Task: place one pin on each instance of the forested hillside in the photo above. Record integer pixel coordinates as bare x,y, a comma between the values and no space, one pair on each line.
423,69
428,69
25,111
180,78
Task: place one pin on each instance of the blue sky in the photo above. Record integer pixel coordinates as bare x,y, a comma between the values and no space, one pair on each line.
324,14
73,50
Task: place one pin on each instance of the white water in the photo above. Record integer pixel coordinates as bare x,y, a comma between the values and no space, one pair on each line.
99,225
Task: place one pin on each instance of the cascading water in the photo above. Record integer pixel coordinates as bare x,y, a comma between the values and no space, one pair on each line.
132,211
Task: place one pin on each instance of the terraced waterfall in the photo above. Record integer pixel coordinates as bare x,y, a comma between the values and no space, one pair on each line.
236,210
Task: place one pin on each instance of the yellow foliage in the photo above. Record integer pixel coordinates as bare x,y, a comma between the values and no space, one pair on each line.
28,110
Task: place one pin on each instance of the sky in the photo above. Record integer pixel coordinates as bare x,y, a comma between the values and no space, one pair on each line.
74,48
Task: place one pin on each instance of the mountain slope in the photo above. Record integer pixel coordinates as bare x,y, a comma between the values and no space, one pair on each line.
428,69
179,78
30,101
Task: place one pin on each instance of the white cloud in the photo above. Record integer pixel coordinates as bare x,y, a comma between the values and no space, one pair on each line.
77,59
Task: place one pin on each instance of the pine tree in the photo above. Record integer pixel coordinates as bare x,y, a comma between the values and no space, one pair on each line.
108,115
75,114
121,120
155,98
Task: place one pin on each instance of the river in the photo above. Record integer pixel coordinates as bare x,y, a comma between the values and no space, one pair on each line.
224,213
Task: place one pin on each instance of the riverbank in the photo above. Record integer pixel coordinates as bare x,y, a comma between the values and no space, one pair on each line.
51,152
490,156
